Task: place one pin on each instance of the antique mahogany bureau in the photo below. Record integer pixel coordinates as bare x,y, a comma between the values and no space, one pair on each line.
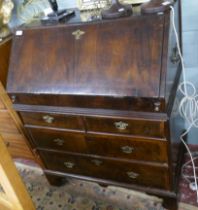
99,101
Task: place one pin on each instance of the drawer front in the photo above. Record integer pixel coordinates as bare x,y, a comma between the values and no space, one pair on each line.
58,140
125,126
17,146
129,148
52,120
124,172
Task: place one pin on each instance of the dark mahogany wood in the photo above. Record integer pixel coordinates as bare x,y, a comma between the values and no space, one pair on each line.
102,145
128,52
98,113
5,47
141,127
127,147
170,203
52,120
99,100
95,102
56,180
144,174
58,140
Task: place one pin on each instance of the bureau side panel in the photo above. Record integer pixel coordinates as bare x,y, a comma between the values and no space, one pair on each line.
4,60
177,127
173,59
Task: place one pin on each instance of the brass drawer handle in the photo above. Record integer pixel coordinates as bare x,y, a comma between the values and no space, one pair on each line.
127,149
59,142
121,125
69,164
132,174
48,119
97,162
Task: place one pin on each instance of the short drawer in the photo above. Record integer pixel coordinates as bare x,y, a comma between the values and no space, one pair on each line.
58,140
52,120
124,172
17,146
128,147
138,127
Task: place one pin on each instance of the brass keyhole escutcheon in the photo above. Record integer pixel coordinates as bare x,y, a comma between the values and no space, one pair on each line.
121,125
78,33
48,119
69,164
127,149
132,174
58,142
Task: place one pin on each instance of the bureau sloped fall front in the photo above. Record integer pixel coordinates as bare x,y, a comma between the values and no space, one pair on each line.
98,101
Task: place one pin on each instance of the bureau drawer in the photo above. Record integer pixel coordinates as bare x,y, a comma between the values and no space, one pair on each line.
17,146
124,172
127,147
58,140
52,120
124,126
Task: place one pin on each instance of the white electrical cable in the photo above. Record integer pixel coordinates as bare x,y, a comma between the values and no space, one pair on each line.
188,107
188,178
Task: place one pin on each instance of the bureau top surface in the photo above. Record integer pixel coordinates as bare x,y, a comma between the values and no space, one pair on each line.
109,58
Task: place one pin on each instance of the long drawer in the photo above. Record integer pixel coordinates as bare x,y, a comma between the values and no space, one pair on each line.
139,127
58,140
101,145
124,172
52,120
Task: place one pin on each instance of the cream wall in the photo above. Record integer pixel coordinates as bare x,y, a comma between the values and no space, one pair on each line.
190,49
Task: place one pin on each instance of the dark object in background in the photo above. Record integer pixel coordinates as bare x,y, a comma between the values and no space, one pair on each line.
60,16
117,10
155,6
57,15
54,5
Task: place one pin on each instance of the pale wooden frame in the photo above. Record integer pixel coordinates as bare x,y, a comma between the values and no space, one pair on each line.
16,196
